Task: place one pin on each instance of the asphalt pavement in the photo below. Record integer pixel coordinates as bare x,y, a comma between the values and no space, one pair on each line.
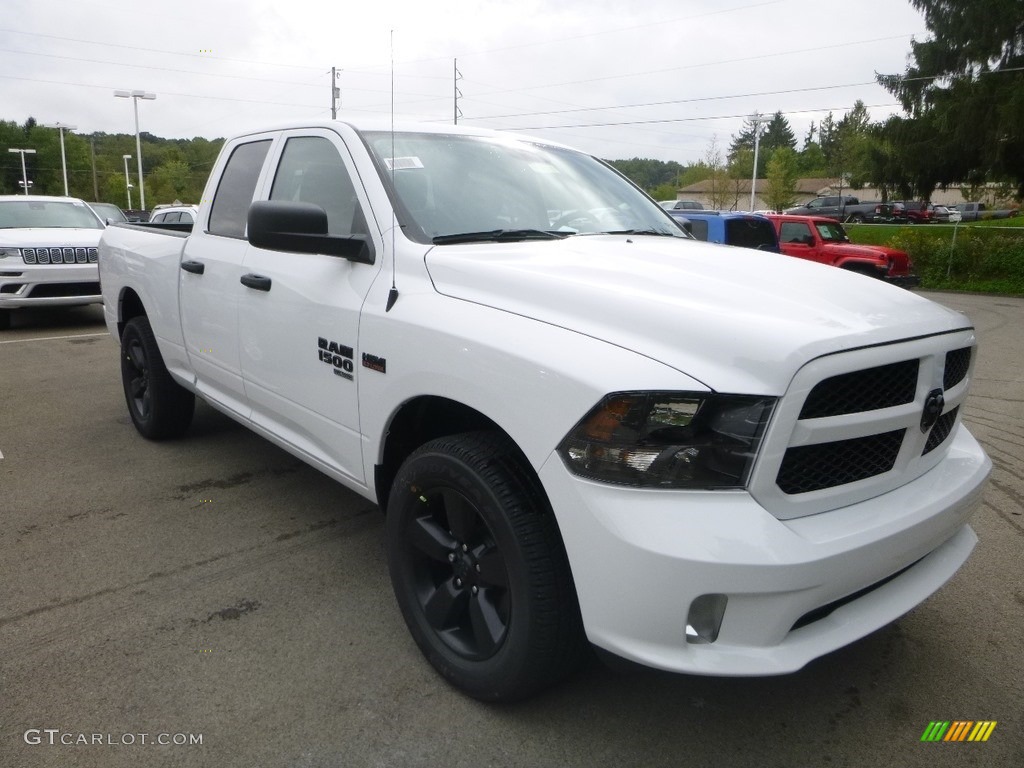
211,601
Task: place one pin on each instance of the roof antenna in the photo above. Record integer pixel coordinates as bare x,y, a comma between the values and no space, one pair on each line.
393,293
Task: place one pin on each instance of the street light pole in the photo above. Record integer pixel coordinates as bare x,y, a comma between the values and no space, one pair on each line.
756,119
135,96
63,158
127,183
24,171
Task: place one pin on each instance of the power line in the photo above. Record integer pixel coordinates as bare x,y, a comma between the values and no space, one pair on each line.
156,50
685,119
680,101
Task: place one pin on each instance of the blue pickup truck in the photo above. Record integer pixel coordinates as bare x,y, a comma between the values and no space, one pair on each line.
745,230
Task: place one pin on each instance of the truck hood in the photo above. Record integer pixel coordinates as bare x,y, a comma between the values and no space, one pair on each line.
900,260
735,319
49,236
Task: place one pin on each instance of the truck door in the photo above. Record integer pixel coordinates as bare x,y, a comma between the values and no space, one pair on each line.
208,280
827,206
797,239
299,317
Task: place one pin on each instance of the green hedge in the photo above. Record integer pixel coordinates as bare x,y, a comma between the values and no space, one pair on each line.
980,258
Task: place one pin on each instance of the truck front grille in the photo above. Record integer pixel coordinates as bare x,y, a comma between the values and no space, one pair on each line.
958,362
941,430
867,390
60,255
850,426
814,467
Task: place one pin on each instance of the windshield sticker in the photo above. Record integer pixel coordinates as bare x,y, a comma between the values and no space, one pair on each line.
402,163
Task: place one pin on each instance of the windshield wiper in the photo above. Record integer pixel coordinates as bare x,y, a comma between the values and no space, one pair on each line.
655,232
499,236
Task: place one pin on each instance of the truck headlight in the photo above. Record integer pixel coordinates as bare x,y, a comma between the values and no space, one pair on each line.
669,439
14,253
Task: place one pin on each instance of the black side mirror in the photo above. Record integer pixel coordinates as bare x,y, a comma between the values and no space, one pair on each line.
284,225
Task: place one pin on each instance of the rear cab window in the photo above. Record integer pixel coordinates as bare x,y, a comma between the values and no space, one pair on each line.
750,233
236,189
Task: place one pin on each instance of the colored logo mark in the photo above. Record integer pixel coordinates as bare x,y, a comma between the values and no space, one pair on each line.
958,730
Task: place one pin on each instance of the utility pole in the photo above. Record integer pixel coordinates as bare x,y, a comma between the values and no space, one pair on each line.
24,171
95,180
63,158
757,119
458,93
335,93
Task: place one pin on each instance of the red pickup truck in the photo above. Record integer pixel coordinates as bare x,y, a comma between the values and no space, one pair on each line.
824,240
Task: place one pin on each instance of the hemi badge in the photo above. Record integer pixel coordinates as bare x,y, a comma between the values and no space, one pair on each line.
375,363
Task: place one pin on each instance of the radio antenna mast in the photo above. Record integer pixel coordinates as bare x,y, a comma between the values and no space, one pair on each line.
393,293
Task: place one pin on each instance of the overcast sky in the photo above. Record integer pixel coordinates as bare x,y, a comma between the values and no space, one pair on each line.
658,78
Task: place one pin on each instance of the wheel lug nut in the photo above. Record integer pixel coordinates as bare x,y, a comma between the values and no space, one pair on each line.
465,548
478,567
474,590
451,557
458,582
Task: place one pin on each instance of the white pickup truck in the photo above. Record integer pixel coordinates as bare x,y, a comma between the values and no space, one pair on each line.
582,425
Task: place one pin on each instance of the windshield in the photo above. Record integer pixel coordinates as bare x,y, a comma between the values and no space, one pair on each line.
108,211
41,214
831,231
453,188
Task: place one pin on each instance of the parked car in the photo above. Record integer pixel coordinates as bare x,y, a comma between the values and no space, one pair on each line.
825,241
174,214
845,208
980,212
744,230
681,205
740,229
48,253
108,212
919,212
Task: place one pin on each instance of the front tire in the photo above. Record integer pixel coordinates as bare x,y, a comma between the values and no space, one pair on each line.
159,407
479,570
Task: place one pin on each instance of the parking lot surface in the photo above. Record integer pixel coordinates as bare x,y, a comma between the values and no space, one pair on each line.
212,601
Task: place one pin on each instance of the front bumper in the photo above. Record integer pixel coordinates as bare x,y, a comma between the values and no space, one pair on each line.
903,281
27,285
641,558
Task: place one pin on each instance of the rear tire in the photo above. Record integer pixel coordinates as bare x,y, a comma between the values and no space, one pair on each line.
160,407
479,570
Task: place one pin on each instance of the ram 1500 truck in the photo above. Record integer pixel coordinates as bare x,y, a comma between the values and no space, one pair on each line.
581,424
845,208
826,242
48,253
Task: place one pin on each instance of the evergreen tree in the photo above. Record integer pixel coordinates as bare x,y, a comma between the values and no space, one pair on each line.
967,83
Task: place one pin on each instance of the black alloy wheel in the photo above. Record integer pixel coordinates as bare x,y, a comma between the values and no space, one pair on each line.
459,574
479,570
159,407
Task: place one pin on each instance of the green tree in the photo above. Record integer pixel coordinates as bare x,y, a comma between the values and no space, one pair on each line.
647,173
780,189
775,134
967,78
719,191
739,170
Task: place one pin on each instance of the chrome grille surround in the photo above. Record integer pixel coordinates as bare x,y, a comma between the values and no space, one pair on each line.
822,457
60,255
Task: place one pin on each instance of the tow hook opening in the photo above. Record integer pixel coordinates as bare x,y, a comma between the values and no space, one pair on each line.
704,619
